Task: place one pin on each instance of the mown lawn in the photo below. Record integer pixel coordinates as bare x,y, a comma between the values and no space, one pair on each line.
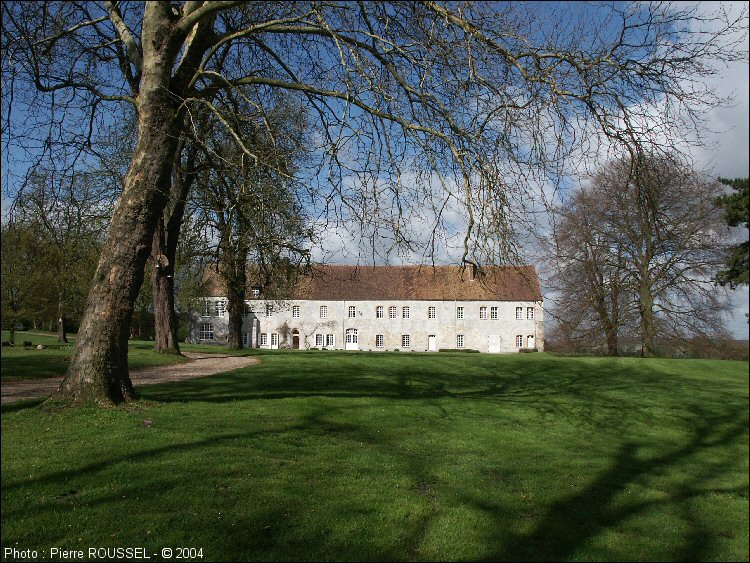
397,456
19,362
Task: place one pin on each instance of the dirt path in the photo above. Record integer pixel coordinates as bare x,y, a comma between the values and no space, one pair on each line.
199,365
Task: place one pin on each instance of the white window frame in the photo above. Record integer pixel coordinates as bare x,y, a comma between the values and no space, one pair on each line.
274,340
392,312
530,313
459,341
494,313
519,313
319,340
406,312
324,311
379,341
483,312
269,310
330,340
263,339
220,306
255,292
295,311
379,312
352,312
352,336
206,333
459,313
431,312
519,341
529,339
406,341
206,309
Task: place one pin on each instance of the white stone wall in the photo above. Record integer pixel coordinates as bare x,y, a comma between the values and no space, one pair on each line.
478,333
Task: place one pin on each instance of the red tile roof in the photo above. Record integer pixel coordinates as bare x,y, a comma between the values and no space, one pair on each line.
428,283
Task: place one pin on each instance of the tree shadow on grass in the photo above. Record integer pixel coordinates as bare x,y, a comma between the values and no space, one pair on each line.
561,529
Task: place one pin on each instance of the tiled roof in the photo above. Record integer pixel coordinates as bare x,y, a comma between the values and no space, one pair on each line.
439,283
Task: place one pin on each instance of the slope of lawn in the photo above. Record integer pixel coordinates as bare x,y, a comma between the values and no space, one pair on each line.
21,362
397,456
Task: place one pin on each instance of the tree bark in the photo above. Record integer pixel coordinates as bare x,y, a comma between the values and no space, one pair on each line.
162,276
235,280
98,371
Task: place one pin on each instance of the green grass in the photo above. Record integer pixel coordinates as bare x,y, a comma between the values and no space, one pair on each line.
20,363
359,456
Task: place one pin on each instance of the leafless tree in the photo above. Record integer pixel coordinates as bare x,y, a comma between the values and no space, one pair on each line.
419,106
635,252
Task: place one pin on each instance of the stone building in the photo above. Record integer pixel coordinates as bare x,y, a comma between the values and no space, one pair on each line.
420,308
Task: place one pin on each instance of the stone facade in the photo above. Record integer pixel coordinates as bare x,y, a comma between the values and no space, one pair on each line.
486,325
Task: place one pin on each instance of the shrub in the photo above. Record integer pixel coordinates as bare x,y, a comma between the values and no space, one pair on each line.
526,350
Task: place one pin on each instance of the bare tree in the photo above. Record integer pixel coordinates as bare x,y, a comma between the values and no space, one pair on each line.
636,251
419,106
253,211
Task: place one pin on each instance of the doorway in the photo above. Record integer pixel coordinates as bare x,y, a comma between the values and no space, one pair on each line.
295,339
432,343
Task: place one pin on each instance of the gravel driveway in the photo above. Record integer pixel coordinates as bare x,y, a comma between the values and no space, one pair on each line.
198,365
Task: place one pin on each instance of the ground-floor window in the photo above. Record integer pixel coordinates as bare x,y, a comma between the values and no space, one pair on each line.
264,339
319,340
459,341
405,341
330,340
207,331
519,341
274,339
352,336
379,341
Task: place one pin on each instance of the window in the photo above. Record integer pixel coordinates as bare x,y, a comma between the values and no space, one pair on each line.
459,312
323,312
255,292
405,341
459,341
330,340
206,308
519,312
405,312
269,310
274,339
493,313
431,313
319,340
483,313
220,306
207,331
529,312
352,311
378,341
263,339
378,312
519,341
295,311
352,336
392,312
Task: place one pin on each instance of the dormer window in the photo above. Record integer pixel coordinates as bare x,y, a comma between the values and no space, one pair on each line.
255,292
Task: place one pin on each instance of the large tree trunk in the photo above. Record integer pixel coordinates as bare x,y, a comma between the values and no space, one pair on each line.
162,279
166,239
98,371
235,280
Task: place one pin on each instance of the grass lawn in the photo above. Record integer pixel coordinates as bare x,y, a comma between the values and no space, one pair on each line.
20,363
397,456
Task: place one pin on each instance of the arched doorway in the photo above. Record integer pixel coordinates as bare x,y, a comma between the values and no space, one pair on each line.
295,339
